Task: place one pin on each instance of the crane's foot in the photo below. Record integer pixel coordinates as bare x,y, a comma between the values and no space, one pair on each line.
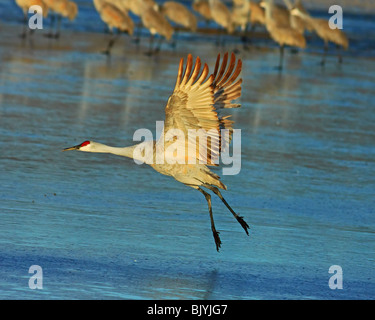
217,239
243,224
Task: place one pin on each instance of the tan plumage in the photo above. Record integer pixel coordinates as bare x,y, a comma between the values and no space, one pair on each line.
179,14
280,15
257,15
137,7
26,4
221,15
156,23
282,34
62,9
203,8
241,13
65,8
115,18
322,29
194,104
296,22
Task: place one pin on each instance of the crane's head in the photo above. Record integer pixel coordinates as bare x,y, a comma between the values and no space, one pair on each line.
84,146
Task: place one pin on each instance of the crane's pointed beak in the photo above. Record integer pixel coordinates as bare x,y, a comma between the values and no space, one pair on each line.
72,148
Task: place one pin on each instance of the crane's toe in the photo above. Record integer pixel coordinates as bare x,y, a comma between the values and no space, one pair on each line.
244,224
217,240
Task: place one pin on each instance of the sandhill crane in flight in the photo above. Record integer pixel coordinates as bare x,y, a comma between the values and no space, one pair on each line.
280,33
61,8
194,104
115,18
25,5
323,30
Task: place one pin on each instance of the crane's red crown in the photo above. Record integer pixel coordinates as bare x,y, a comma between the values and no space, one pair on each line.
85,143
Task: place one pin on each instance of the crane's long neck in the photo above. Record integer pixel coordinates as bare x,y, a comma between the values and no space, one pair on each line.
102,148
125,152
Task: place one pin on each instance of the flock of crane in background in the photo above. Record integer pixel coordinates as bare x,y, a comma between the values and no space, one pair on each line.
286,25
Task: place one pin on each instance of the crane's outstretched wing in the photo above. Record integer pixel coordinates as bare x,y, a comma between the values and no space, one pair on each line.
194,105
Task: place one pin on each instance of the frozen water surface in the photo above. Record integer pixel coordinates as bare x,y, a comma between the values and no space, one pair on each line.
102,227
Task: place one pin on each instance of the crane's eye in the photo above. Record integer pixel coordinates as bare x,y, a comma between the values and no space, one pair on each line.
85,143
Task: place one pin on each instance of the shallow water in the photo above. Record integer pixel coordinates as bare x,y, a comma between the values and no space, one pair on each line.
102,227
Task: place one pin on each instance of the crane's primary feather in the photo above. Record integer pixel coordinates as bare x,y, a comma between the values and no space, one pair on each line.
195,103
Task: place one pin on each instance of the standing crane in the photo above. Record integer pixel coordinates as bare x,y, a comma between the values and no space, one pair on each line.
257,16
222,16
25,5
180,15
156,23
203,8
194,104
115,18
61,8
282,34
323,30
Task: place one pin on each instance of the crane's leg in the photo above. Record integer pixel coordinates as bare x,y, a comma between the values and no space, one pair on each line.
24,31
57,34
111,42
240,219
151,41
339,54
50,33
174,39
137,37
280,67
323,62
157,49
214,232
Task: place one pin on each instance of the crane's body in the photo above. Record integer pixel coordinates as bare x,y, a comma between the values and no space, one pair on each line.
322,29
115,16
179,14
194,104
282,33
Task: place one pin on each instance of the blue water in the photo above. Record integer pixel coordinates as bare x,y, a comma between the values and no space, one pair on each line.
102,227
